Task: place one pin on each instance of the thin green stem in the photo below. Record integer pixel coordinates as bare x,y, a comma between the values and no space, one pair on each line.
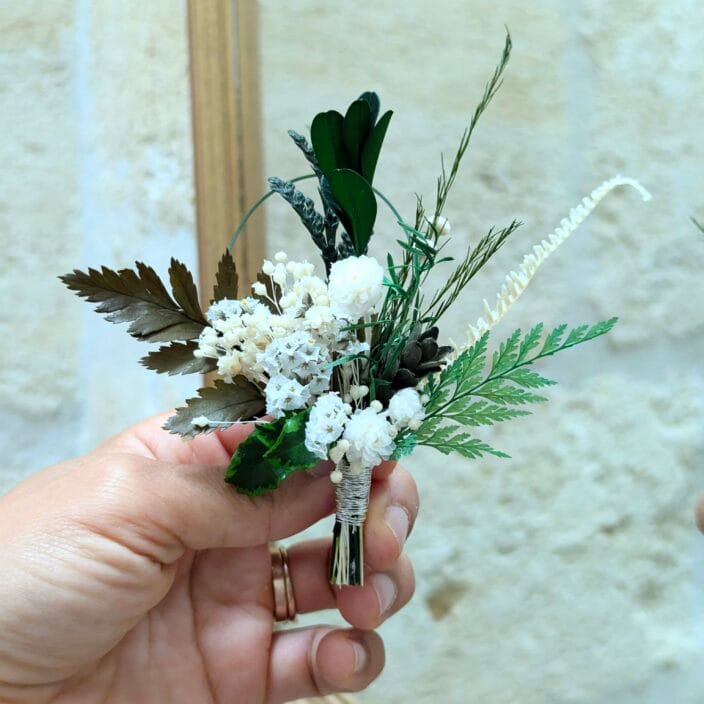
252,210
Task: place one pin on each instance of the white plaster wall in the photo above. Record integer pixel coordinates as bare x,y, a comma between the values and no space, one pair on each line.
569,575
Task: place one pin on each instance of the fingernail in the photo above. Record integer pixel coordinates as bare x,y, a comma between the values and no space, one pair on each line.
397,519
361,657
385,589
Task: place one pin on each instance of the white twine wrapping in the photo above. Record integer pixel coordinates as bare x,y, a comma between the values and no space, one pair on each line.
352,495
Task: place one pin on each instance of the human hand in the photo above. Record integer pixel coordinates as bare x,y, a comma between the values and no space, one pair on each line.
135,574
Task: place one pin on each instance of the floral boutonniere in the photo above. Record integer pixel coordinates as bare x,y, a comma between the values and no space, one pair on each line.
347,362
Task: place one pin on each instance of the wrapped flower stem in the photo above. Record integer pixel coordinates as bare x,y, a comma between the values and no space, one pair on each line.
352,497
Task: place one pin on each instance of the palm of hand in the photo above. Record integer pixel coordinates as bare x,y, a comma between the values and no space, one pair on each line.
131,603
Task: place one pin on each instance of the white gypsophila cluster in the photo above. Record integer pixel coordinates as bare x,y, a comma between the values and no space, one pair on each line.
241,331
302,358
284,394
356,286
370,437
366,436
238,331
516,282
326,423
406,409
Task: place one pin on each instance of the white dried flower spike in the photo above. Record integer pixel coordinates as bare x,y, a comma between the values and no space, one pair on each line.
517,281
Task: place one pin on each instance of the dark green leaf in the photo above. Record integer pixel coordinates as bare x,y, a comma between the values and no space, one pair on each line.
184,291
358,204
373,100
290,450
136,297
328,142
222,402
370,153
226,279
355,131
177,358
249,470
272,452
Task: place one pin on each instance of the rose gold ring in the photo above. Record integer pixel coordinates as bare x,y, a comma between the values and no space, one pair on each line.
282,587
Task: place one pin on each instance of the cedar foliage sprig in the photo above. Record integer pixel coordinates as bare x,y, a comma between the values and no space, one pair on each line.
462,395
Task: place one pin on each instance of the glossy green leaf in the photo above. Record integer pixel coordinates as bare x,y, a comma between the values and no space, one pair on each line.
289,449
370,153
374,105
249,471
328,142
358,204
272,452
355,131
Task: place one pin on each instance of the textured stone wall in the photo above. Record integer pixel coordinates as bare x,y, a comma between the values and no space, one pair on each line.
570,574
97,169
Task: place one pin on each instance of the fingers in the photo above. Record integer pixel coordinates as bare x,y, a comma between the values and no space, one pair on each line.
315,661
393,507
390,582
365,607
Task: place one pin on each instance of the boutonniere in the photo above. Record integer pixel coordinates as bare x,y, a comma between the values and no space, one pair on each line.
347,360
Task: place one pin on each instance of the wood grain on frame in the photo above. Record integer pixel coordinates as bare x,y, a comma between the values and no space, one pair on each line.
227,141
227,144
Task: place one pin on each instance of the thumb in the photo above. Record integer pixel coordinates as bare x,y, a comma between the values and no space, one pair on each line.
166,507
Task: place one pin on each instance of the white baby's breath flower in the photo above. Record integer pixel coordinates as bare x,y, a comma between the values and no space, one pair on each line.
405,407
355,287
358,392
325,424
259,288
283,394
268,267
281,256
440,224
369,436
337,451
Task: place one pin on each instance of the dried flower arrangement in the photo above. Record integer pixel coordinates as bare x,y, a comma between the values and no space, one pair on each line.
349,367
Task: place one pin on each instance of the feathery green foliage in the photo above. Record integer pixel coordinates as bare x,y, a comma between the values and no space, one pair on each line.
464,395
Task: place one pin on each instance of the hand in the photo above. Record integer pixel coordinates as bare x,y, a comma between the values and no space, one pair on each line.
135,574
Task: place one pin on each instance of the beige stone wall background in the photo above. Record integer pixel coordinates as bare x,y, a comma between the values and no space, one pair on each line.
570,574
